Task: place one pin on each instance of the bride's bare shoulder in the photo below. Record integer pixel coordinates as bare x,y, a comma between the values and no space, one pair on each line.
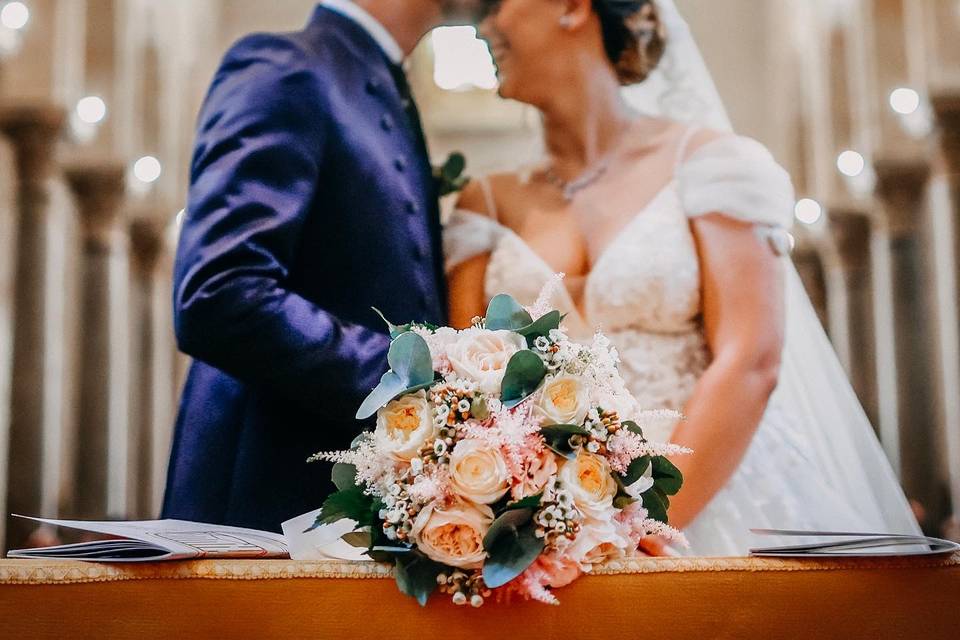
493,195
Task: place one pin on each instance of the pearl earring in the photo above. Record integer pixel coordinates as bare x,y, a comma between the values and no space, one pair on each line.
566,22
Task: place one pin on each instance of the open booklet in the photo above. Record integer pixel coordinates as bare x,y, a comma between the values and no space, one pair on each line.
151,540
832,544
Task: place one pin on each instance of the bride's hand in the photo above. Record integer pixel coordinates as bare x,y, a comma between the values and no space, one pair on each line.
656,546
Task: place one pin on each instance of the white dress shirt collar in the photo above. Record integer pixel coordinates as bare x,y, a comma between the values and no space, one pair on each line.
370,24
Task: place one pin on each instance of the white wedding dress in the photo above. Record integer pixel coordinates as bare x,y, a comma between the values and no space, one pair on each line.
644,294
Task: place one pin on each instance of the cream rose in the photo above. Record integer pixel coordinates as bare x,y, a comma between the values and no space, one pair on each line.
482,356
589,480
478,472
536,472
453,536
598,540
563,400
404,425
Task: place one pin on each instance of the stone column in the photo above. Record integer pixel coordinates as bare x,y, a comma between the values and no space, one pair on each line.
8,257
809,264
901,187
152,364
37,393
102,422
946,215
851,233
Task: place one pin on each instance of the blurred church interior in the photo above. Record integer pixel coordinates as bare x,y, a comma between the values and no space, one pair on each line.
859,99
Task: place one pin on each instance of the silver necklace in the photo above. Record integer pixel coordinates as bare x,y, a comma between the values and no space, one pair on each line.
570,188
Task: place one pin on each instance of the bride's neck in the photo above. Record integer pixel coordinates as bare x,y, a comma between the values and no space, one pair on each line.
584,122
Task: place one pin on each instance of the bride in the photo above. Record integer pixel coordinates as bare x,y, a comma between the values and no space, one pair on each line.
671,231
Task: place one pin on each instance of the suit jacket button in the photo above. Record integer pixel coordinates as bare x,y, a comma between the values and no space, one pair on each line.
386,122
401,164
412,207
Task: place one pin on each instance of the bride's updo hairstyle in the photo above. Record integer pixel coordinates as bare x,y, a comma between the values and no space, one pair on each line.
633,36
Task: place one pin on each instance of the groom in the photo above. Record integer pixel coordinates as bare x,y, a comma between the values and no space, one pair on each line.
311,200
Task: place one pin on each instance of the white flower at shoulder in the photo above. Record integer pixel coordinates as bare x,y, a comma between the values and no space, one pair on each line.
563,400
478,472
589,479
453,536
482,356
404,425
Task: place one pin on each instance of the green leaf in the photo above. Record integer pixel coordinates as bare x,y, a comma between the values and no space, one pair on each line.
350,503
623,501
557,437
357,538
411,369
344,475
454,166
636,469
633,426
396,330
530,502
504,312
542,326
416,575
666,476
511,545
524,373
656,504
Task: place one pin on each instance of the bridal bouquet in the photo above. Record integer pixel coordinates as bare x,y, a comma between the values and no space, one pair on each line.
502,460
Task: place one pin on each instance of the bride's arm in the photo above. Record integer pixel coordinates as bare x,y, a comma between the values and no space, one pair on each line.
465,281
743,320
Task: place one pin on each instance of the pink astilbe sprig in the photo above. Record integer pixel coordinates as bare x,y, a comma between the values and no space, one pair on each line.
431,485
625,446
374,471
634,523
542,305
514,431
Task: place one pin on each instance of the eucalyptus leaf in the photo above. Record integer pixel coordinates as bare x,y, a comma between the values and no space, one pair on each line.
636,469
666,476
454,166
416,575
530,502
411,369
524,373
504,312
357,538
511,546
623,501
396,330
542,326
344,475
654,503
557,437
634,427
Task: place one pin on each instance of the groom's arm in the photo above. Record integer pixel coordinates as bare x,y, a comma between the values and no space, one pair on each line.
260,143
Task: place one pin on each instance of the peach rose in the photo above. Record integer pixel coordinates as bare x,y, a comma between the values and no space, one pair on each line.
482,356
404,425
453,536
590,481
537,471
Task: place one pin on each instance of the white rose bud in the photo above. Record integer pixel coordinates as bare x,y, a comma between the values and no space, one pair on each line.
563,400
478,472
404,425
482,356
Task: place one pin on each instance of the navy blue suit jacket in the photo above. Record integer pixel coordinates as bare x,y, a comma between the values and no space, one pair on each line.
311,200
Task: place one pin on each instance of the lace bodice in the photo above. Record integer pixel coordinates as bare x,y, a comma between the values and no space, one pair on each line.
643,291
